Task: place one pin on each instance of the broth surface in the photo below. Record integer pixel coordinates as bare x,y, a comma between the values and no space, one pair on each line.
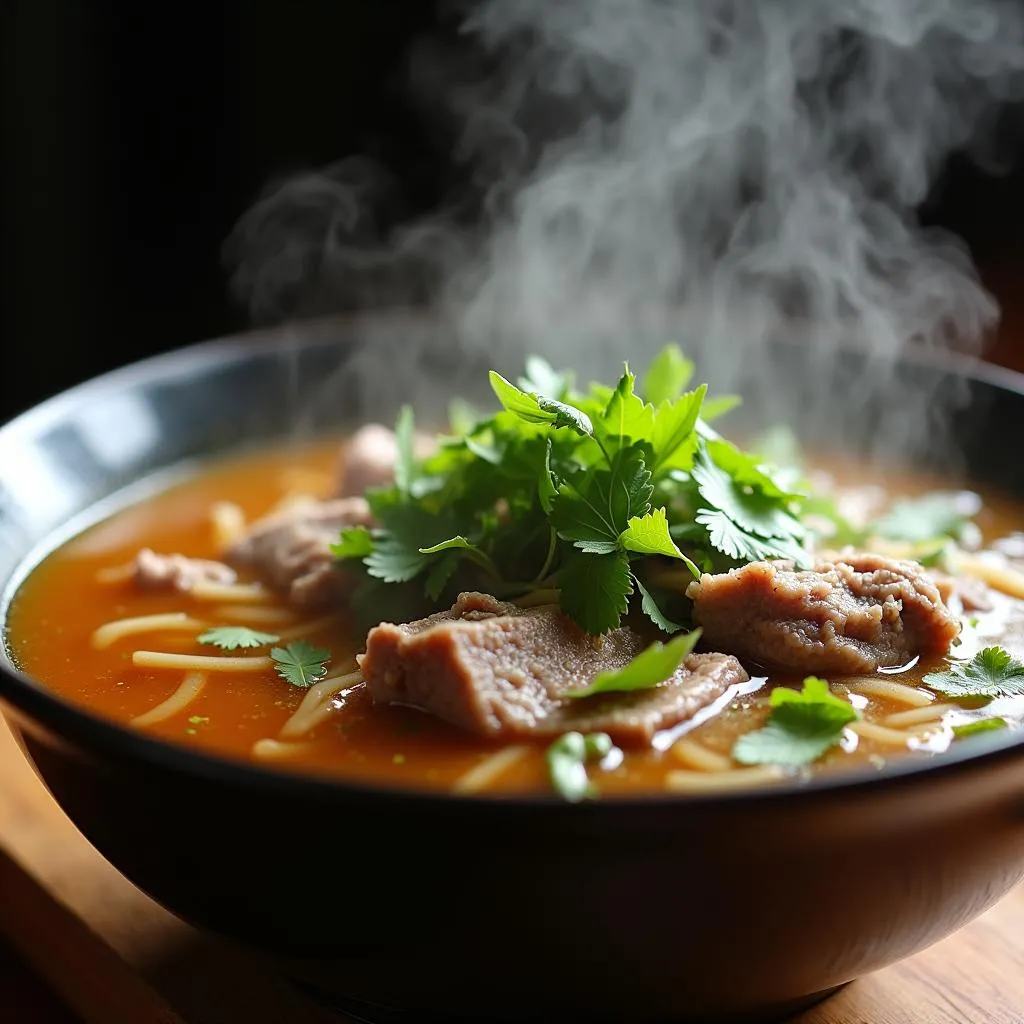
55,613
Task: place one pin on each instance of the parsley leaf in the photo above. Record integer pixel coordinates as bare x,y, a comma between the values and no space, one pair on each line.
979,726
567,763
670,371
801,727
626,416
991,673
300,663
595,589
231,638
650,667
673,439
354,542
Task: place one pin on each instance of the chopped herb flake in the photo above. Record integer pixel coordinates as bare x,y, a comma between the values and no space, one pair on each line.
567,763
979,726
649,668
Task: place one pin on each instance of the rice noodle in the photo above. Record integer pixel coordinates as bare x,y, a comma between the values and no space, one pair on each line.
883,734
696,755
316,705
116,573
248,614
275,750
889,690
191,686
199,662
228,522
737,778
916,716
305,628
997,575
488,771
117,629
247,593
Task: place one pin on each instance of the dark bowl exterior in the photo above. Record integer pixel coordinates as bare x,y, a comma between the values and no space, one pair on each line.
648,909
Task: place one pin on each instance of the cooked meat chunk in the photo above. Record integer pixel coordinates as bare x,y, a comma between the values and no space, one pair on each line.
504,672
369,458
291,549
158,572
844,617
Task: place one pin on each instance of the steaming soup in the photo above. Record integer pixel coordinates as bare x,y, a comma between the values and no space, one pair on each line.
584,594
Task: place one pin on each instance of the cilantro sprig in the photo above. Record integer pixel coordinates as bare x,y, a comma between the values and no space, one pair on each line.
992,672
573,491
300,663
231,638
803,725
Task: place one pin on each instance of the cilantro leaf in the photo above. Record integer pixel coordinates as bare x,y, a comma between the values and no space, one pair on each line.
940,514
595,589
674,439
650,667
440,574
626,416
801,727
567,763
230,638
542,379
599,504
991,673
354,542
713,408
648,535
394,562
300,663
652,610
734,541
981,725
669,372
538,409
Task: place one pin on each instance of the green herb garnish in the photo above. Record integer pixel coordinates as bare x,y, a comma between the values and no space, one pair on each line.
991,673
567,763
928,518
300,663
649,668
802,726
568,490
980,726
230,638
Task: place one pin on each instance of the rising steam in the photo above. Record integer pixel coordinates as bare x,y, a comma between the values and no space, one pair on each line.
708,170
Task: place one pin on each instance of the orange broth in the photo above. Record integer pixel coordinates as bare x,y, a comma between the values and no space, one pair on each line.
62,602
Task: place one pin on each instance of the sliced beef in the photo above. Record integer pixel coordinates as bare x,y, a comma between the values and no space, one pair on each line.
291,549
178,572
844,617
504,672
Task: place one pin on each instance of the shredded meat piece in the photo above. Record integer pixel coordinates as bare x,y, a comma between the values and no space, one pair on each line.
291,549
504,672
156,572
845,617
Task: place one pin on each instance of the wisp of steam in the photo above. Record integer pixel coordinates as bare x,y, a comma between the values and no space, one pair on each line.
716,172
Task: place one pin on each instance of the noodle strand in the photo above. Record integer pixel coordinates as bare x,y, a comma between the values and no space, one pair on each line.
111,632
199,662
487,771
191,686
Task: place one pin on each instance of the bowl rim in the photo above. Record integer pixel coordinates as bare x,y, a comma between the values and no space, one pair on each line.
78,725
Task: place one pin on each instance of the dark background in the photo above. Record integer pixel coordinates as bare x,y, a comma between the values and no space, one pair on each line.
135,133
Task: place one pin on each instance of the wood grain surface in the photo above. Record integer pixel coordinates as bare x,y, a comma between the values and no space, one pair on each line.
115,957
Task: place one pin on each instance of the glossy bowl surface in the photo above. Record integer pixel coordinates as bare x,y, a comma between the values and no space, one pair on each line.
655,908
